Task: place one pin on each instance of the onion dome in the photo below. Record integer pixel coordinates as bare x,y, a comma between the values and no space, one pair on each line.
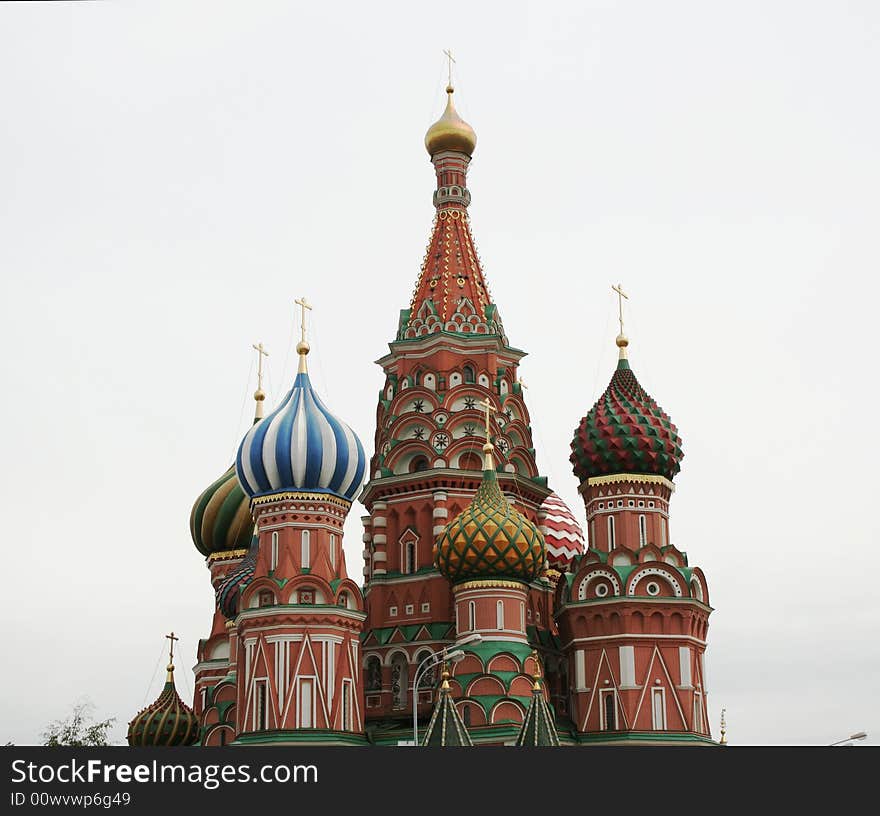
562,534
489,538
450,131
625,432
221,518
445,729
301,446
539,727
166,722
230,588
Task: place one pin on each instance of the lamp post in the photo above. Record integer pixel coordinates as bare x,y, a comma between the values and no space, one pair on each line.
857,737
432,660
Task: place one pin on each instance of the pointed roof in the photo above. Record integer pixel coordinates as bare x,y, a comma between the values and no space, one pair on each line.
538,728
446,728
451,293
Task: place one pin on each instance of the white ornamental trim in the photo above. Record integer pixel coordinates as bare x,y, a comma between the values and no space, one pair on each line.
654,571
600,573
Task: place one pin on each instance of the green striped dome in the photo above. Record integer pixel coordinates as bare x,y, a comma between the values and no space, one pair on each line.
167,722
221,517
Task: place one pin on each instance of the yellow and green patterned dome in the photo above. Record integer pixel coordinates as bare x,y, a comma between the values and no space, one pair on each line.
490,538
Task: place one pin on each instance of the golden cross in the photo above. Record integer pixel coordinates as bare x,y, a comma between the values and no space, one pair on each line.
261,352
620,296
450,60
172,638
303,304
487,404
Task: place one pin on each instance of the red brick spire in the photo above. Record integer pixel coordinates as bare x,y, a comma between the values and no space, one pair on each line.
451,293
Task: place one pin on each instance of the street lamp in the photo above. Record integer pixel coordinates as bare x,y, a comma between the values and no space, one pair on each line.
432,660
857,737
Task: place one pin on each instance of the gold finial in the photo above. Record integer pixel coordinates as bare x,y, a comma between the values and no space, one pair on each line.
259,394
170,678
622,341
450,60
723,740
488,447
302,347
536,686
444,686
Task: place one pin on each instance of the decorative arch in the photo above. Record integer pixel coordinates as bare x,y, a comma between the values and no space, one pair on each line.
591,578
658,572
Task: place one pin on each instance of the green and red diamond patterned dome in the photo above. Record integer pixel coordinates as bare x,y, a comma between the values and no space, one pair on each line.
625,432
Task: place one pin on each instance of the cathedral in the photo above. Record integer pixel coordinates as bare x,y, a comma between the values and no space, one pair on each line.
486,614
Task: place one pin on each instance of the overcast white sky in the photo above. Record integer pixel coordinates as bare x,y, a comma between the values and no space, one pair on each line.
173,174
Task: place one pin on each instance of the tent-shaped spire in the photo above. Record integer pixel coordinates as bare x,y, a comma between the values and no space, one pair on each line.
446,728
538,728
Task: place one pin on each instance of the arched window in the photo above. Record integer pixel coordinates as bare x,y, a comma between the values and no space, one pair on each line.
466,716
410,557
306,551
399,681
610,711
643,531
610,532
469,374
374,674
499,615
472,616
418,464
274,555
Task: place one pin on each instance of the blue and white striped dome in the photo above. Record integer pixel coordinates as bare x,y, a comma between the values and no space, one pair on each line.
301,446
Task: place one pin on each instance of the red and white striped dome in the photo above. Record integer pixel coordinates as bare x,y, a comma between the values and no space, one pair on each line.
562,533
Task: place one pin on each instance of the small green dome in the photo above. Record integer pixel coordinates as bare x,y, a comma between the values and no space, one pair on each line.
221,517
166,722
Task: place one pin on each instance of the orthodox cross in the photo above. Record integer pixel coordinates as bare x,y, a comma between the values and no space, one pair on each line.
303,304
172,637
261,352
620,296
450,60
487,404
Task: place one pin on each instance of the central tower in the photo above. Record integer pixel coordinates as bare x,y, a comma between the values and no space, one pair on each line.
450,354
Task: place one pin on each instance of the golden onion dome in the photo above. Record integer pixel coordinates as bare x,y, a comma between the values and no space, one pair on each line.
490,539
450,131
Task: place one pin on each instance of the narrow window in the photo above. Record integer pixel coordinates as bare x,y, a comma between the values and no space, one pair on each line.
698,712
222,736
333,550
643,531
522,617
410,557
260,714
346,706
593,533
659,709
305,703
472,616
466,717
274,557
499,614
663,531
306,549
610,532
609,710
469,377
